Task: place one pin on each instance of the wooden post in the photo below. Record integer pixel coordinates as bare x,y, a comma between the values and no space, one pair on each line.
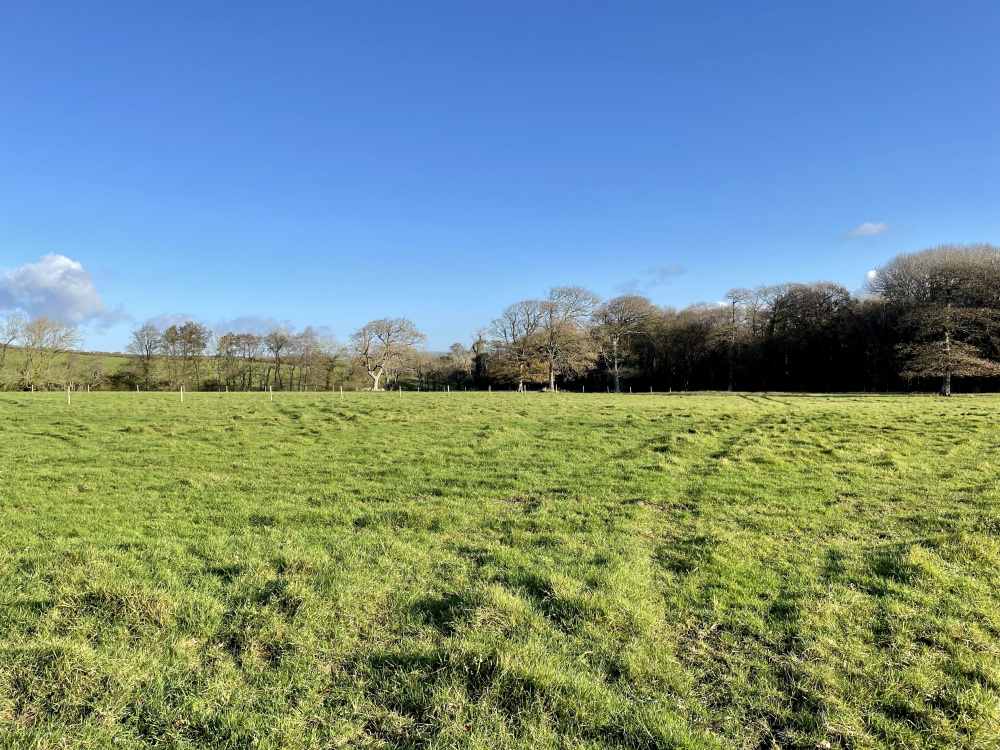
399,389
136,387
583,389
489,389
88,387
448,387
227,387
67,395
270,391
630,389
182,394
650,389
341,393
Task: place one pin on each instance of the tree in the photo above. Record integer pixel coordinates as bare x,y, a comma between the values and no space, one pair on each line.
42,340
224,357
459,360
950,297
563,316
194,339
381,344
941,355
248,347
142,348
735,328
480,358
11,330
618,320
277,341
516,336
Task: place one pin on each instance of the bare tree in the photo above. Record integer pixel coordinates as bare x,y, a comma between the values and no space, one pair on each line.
224,358
277,341
142,348
618,320
735,328
11,331
381,344
943,356
563,316
950,296
248,347
516,335
42,340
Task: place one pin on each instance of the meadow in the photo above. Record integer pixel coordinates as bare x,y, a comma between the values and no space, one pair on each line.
499,571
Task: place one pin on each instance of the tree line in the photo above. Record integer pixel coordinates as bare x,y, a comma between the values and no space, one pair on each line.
928,319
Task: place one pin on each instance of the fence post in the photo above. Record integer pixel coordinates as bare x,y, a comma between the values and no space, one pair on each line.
67,395
270,391
182,394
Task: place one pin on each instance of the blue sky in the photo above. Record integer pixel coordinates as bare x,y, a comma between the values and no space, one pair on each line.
328,163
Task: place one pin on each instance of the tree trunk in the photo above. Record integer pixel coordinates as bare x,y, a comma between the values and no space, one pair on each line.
946,381
552,376
375,376
614,349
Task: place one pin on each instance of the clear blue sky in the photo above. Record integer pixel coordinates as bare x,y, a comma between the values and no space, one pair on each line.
327,163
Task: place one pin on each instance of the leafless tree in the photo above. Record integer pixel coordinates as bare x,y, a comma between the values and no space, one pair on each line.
43,340
381,344
248,347
142,349
735,329
564,314
618,320
11,330
950,296
277,341
515,335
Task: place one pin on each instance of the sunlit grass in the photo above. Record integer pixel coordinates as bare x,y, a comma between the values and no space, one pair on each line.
499,570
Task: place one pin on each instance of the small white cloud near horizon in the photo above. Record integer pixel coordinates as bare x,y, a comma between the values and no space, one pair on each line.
654,278
242,324
165,320
57,287
869,229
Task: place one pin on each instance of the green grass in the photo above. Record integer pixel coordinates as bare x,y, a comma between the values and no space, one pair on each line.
475,570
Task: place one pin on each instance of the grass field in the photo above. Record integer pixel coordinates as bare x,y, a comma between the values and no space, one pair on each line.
474,570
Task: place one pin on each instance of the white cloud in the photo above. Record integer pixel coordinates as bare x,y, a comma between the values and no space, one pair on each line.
241,324
653,277
869,229
165,320
251,324
58,287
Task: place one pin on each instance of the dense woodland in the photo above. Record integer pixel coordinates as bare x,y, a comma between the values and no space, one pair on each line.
927,320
